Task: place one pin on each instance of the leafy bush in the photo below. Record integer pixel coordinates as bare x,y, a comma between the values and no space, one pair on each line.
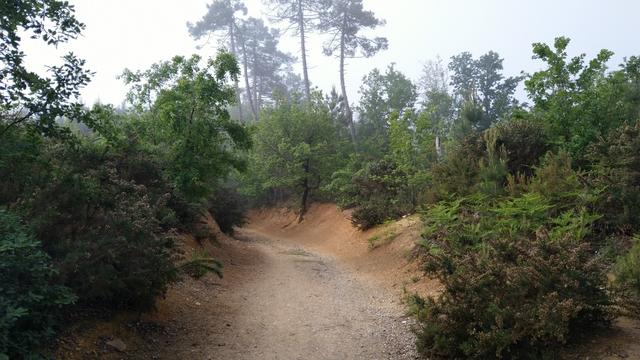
627,271
228,208
381,194
30,300
518,282
369,215
21,164
458,172
616,161
342,188
525,142
565,187
101,229
493,169
483,160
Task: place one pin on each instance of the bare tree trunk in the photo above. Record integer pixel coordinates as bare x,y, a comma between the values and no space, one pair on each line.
246,81
234,51
255,83
348,113
303,48
305,192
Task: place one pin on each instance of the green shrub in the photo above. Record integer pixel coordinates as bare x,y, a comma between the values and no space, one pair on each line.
382,194
565,187
136,164
458,172
493,169
369,215
616,160
518,281
342,188
483,160
525,142
22,165
30,300
627,271
102,230
228,208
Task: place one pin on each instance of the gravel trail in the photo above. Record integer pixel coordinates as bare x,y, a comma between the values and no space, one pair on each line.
282,301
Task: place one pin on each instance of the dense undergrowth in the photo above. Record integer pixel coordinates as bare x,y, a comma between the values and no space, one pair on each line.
524,240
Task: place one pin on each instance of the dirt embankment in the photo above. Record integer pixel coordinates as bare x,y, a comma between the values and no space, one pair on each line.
382,255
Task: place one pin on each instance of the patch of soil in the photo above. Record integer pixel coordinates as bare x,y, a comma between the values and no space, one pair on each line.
328,230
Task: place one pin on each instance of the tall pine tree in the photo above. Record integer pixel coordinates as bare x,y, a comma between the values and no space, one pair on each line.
343,20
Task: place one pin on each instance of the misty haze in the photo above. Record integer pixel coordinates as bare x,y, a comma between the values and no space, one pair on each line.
319,179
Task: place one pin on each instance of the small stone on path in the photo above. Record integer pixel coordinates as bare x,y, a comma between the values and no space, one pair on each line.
117,344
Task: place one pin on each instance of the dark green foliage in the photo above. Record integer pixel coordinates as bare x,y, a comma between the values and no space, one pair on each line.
228,208
102,192
578,101
627,271
30,300
482,161
184,111
493,168
565,187
295,151
525,142
382,94
22,164
102,228
458,172
616,160
518,281
342,187
481,82
381,194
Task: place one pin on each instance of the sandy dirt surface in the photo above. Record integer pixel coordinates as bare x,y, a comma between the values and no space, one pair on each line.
282,301
296,304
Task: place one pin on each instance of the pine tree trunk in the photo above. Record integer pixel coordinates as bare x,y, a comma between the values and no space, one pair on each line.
348,113
246,81
256,103
234,51
303,49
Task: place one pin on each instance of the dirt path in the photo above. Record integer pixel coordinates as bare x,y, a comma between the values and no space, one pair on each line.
281,301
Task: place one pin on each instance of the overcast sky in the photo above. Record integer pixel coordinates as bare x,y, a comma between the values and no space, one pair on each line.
136,33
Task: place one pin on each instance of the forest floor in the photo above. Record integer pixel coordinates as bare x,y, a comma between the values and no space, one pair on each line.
316,290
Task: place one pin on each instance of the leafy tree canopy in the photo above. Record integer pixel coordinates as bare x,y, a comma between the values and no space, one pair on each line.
183,106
